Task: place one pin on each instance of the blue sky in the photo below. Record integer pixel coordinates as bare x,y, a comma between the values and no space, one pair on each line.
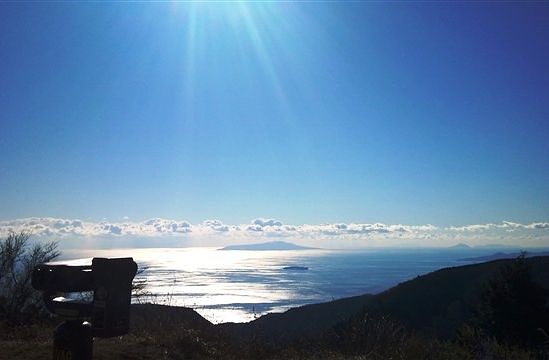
305,112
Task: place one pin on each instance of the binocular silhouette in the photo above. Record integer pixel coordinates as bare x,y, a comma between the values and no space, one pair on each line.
110,280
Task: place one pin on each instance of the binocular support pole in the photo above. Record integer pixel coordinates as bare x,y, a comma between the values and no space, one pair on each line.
73,339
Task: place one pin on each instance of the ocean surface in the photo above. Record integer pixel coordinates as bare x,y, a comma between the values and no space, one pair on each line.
238,285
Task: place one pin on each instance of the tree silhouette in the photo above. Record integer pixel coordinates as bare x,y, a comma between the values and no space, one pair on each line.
513,307
18,258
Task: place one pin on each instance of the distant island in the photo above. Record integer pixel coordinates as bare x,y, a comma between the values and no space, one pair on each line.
266,246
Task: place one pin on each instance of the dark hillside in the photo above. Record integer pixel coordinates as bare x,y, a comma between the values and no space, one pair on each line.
145,315
308,320
442,300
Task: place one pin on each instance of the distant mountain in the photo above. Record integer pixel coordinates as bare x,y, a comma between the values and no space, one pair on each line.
266,246
502,255
460,246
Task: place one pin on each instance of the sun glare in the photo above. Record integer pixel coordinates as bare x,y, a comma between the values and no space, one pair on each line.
253,30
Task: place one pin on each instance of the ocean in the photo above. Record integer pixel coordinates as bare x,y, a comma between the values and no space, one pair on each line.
239,285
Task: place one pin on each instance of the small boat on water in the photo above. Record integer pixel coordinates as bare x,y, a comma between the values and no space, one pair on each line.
301,268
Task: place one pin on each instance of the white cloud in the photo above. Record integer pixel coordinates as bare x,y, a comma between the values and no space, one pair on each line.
505,225
216,225
538,225
269,227
266,222
334,234
367,229
474,227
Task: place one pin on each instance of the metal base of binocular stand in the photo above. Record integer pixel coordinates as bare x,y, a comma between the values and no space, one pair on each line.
73,339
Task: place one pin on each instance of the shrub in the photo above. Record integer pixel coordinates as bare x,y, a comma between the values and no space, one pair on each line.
140,292
369,336
18,257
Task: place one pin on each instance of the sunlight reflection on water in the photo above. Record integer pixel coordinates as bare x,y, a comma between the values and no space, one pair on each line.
236,286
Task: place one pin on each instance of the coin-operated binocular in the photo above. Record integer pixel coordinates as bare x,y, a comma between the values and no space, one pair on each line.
106,314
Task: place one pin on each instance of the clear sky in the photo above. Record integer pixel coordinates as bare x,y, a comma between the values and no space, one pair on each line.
305,112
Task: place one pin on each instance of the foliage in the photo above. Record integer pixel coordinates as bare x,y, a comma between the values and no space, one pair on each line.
142,295
368,335
18,258
379,337
140,291
513,307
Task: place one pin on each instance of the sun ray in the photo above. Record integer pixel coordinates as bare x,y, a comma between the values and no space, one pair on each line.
262,53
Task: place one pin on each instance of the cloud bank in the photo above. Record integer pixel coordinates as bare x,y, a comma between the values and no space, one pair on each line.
333,235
